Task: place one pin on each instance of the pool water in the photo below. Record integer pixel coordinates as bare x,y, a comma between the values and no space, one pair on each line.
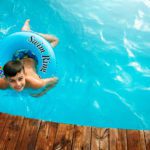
103,61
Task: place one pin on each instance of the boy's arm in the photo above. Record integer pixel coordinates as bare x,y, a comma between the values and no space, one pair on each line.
39,83
48,83
3,84
47,88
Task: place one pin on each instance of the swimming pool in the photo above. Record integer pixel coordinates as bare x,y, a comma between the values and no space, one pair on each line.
102,60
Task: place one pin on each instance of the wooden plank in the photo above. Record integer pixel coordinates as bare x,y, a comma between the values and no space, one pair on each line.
11,132
147,139
64,137
13,129
28,135
82,138
113,139
46,136
4,135
117,139
142,140
3,119
122,140
133,140
100,139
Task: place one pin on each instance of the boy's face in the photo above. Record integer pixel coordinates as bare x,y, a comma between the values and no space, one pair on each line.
18,81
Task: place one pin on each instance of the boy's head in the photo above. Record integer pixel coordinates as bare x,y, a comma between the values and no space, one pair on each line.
15,75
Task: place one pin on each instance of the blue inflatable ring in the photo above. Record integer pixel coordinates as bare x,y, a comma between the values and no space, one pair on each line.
46,62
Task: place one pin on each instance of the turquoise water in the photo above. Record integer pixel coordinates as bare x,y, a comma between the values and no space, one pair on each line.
103,61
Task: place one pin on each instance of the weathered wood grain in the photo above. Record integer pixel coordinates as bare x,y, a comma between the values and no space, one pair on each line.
82,138
46,136
3,119
100,139
18,133
147,139
10,132
64,137
133,139
28,135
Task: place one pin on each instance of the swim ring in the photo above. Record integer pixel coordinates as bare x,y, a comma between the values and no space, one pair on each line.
33,45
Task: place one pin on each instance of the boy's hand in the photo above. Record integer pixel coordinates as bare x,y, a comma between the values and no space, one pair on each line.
53,81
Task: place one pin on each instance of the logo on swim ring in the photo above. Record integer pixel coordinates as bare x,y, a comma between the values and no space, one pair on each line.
45,58
1,72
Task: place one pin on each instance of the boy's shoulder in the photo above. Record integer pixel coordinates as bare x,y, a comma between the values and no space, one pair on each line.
3,83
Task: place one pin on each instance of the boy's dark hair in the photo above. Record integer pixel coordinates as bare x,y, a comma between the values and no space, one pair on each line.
11,68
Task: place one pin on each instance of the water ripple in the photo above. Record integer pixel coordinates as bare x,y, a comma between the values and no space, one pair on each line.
5,30
138,88
140,24
122,76
139,68
128,46
96,18
96,104
129,106
103,38
147,3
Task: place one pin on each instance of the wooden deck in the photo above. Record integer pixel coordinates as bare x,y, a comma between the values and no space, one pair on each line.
18,133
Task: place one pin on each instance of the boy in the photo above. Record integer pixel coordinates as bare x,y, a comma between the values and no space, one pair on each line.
22,74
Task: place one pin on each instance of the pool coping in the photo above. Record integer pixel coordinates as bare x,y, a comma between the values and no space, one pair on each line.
24,133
